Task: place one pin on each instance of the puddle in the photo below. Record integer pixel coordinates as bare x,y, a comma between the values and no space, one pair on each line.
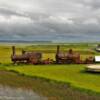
8,93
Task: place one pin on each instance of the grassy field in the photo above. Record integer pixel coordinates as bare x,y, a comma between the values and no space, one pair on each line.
47,50
73,75
51,90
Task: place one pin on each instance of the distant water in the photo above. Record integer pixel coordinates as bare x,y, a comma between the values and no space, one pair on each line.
8,93
77,38
53,38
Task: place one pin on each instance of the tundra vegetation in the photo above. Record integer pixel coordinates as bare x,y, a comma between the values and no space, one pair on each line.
57,82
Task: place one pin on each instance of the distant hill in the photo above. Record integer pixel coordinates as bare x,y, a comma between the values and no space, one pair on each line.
23,41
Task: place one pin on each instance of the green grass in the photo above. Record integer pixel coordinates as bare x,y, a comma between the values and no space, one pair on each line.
73,74
50,89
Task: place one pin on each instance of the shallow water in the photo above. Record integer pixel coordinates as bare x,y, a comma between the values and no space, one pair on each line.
8,93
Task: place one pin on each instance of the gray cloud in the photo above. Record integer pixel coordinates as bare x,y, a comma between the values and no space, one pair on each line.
31,18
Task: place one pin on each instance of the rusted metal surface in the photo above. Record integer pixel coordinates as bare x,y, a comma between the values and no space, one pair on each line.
26,57
71,57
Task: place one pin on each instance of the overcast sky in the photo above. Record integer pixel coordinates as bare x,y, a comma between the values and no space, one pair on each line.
35,19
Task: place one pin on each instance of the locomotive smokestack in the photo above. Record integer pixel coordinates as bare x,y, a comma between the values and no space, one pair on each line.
13,50
57,53
58,49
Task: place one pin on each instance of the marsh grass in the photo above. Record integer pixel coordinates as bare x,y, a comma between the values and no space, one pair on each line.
53,90
54,81
72,74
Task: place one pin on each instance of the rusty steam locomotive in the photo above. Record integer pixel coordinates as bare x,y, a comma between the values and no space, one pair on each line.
69,57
